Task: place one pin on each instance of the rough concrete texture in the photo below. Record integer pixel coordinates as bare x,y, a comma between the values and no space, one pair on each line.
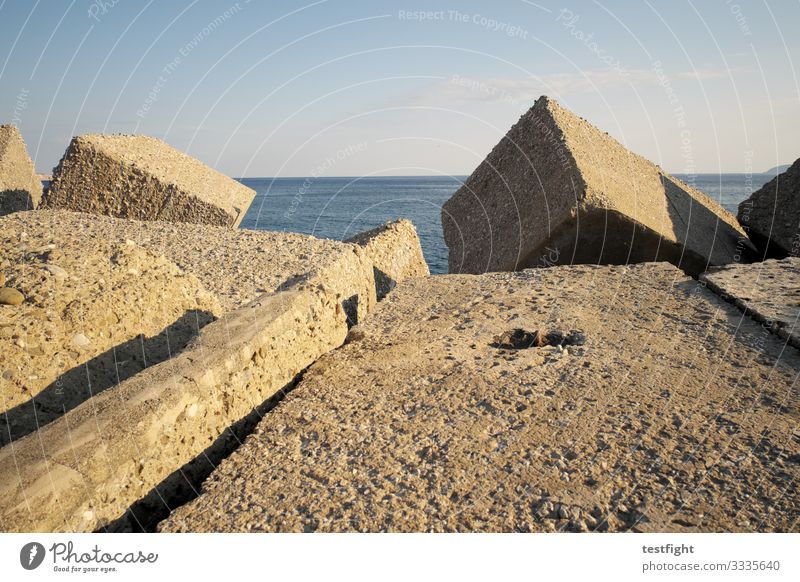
19,187
771,215
86,468
236,265
140,177
676,414
557,190
769,292
95,311
395,252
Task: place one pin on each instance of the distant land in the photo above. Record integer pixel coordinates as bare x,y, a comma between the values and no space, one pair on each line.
778,169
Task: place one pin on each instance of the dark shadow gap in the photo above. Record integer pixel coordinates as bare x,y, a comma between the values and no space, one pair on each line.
14,201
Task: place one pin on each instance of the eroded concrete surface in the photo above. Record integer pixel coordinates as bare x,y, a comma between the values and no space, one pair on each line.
676,413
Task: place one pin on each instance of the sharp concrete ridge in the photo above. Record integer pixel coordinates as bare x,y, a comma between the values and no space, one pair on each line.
771,215
769,292
644,410
85,469
20,189
395,252
140,177
557,190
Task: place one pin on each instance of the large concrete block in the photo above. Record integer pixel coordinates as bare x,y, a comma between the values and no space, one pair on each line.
557,190
95,310
236,265
468,403
20,189
769,292
89,466
140,177
395,252
771,216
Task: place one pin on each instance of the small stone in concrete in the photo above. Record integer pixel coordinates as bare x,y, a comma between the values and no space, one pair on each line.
9,296
80,340
56,271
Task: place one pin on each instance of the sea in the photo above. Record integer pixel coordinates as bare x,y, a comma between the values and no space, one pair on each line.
338,208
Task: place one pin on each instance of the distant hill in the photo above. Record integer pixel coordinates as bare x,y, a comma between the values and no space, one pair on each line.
778,169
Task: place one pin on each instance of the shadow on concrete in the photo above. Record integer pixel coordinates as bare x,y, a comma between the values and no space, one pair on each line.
184,485
607,237
98,374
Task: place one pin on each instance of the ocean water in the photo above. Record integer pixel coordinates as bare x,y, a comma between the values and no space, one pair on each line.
338,208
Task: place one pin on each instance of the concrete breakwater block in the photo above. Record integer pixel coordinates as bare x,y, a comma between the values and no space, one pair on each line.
140,177
20,189
236,265
769,292
395,252
557,190
651,405
771,216
88,467
94,310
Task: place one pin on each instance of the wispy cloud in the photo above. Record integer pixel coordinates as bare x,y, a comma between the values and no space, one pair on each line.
458,89
706,74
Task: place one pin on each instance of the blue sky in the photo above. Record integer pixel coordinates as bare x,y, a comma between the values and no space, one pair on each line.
396,88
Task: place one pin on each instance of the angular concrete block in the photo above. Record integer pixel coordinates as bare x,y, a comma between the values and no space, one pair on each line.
395,252
20,189
236,265
771,216
140,177
557,190
89,466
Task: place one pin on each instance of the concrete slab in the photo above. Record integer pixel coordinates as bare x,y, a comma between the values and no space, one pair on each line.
650,405
769,292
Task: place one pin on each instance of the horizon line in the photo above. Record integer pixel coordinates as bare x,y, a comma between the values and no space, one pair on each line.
717,173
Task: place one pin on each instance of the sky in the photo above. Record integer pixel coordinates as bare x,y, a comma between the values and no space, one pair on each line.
356,88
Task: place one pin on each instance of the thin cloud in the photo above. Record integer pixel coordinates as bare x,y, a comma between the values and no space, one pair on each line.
458,89
710,73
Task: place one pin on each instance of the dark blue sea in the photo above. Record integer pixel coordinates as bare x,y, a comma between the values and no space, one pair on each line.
338,208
